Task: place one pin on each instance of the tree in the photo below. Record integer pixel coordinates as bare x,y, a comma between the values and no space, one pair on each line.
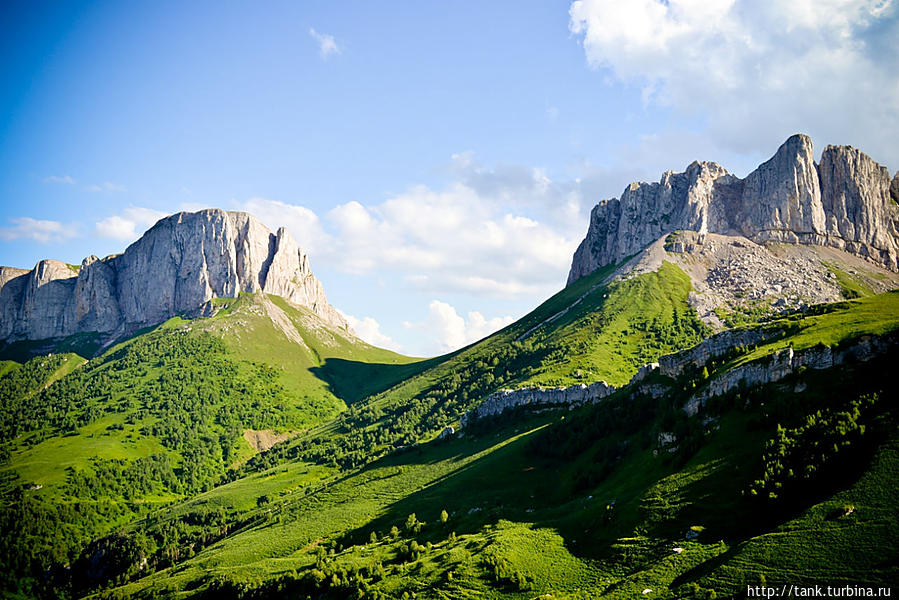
373,537
394,532
411,522
444,516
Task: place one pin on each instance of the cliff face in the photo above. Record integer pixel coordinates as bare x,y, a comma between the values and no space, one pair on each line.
847,202
177,266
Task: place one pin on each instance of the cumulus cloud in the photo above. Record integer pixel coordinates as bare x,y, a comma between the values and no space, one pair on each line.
369,330
449,331
452,239
26,228
327,46
503,232
302,223
756,71
129,225
59,179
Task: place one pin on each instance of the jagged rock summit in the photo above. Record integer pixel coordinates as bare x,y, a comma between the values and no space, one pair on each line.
177,266
847,201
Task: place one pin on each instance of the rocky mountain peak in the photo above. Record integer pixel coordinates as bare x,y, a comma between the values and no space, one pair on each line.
176,267
846,202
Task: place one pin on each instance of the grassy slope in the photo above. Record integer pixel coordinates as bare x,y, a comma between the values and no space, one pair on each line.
577,335
251,339
590,330
507,501
834,323
130,403
531,511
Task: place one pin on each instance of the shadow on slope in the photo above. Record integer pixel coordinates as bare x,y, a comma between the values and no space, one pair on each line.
353,380
652,497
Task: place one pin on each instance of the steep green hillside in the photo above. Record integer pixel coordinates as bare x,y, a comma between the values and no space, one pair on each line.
591,503
147,472
591,330
87,446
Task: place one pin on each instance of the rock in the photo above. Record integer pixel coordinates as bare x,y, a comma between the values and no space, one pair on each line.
667,438
845,202
781,198
861,217
176,267
715,346
570,396
782,363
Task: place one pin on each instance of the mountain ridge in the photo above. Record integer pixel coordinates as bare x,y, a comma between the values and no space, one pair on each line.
177,266
847,201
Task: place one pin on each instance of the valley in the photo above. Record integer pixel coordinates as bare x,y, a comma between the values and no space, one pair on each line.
702,408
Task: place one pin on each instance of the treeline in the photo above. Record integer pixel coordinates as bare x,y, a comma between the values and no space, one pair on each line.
372,429
797,456
183,389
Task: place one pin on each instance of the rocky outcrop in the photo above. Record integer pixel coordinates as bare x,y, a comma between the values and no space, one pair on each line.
176,267
716,346
846,202
768,369
785,362
574,395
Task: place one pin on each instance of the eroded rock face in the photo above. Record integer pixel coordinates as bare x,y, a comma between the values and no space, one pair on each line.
784,362
846,202
573,395
177,266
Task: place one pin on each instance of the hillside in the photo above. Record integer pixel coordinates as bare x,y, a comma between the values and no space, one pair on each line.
90,445
606,501
517,490
708,404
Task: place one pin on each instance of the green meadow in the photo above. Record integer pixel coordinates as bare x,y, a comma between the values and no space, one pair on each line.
129,473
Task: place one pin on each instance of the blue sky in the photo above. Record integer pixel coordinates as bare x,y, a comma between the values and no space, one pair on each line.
438,161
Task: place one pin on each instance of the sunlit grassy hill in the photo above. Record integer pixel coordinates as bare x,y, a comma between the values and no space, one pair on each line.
165,414
591,503
259,452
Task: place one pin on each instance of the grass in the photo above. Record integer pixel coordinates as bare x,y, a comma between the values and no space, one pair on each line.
619,327
7,365
509,506
523,520
266,371
851,285
833,324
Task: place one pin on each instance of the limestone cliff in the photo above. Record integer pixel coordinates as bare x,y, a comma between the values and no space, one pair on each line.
847,202
176,267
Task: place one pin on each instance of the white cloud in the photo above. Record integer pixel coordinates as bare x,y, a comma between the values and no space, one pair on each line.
369,330
756,71
59,179
105,187
130,225
302,223
449,331
38,230
326,44
505,232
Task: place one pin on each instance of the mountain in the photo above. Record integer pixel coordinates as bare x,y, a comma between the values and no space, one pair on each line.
846,202
177,267
612,443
